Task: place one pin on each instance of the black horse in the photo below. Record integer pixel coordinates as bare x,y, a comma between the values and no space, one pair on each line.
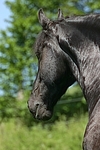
68,50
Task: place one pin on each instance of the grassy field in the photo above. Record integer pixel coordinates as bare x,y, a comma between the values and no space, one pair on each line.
61,135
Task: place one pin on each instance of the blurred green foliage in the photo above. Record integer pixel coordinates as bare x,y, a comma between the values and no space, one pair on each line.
18,64
61,135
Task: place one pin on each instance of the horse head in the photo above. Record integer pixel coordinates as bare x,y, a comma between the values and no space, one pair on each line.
54,75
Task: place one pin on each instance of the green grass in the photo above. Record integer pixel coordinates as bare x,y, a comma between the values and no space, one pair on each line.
61,135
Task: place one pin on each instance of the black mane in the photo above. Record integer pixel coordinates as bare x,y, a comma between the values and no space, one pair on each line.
94,19
88,25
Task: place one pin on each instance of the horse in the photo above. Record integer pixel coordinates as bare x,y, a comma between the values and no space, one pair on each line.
68,50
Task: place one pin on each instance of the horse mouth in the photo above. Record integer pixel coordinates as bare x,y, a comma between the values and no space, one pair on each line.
40,112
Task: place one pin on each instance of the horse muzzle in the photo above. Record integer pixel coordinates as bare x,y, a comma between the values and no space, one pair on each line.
39,110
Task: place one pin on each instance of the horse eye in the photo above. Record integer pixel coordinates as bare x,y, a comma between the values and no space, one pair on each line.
41,78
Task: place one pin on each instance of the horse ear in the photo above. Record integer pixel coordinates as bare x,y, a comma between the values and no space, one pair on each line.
60,14
42,18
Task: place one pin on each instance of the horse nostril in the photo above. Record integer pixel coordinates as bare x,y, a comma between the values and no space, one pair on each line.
37,105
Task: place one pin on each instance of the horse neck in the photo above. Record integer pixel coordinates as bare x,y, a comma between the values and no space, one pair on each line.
90,73
87,64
